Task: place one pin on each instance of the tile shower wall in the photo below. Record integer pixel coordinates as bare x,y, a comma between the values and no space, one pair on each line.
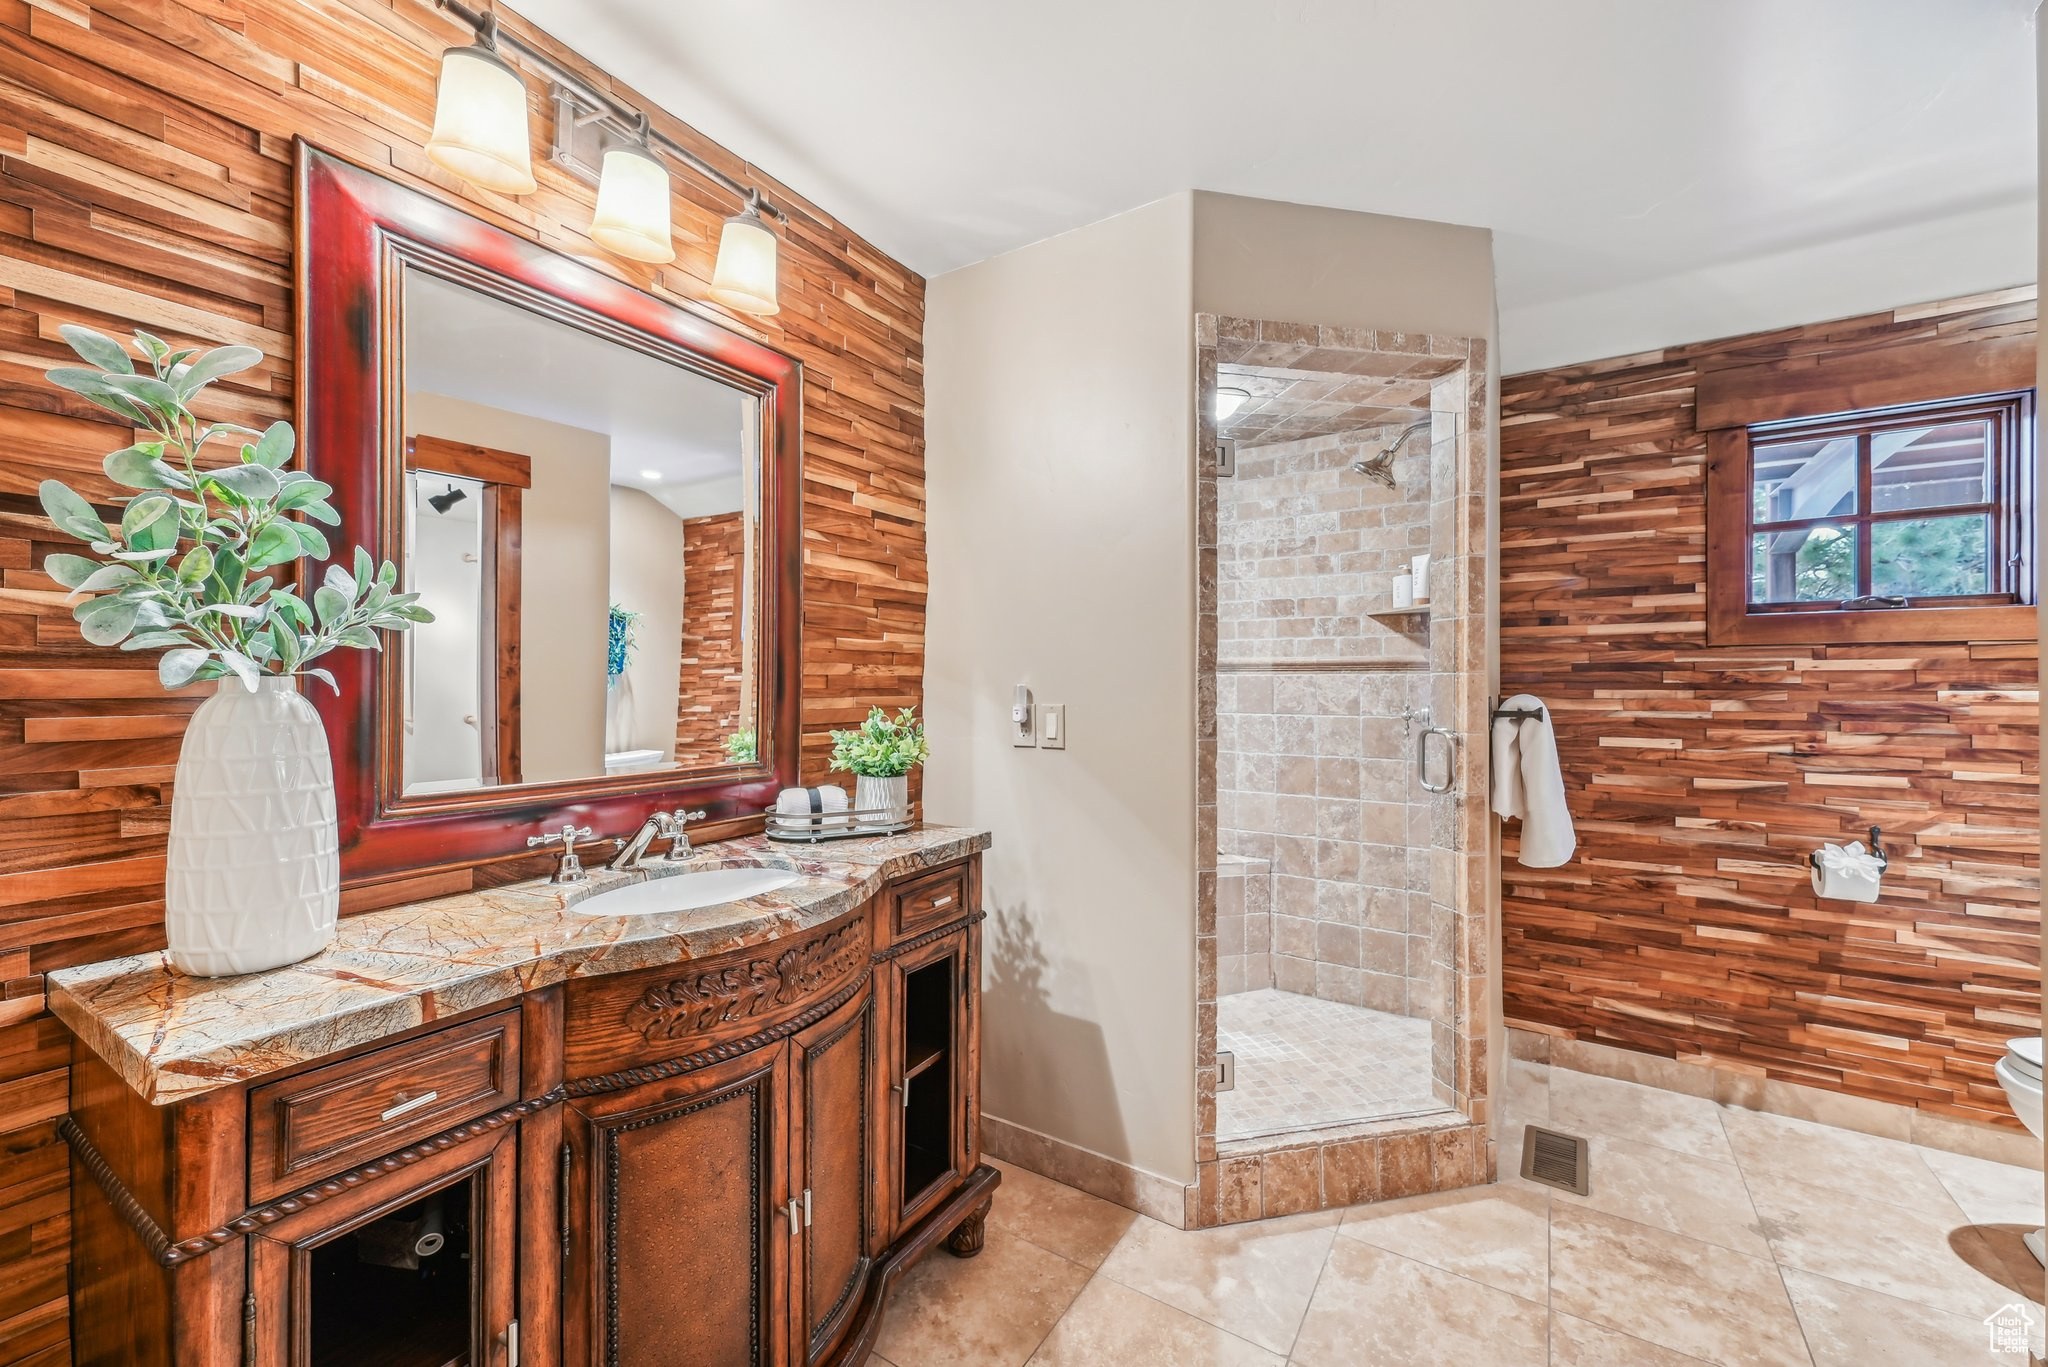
1312,784
1309,548
1312,778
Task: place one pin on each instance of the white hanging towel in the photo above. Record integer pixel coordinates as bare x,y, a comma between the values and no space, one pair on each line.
1527,784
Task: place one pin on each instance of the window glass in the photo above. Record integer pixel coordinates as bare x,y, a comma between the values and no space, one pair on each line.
1926,557
1805,565
1929,467
1793,481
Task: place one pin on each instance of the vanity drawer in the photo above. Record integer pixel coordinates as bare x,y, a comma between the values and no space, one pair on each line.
319,1122
930,899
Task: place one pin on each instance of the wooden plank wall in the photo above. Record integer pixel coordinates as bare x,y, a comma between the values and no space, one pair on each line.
1700,778
713,665
146,180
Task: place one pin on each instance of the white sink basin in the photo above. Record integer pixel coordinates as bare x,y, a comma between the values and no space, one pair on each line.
684,892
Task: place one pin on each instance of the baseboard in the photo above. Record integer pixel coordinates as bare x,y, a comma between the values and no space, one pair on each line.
1113,1180
1737,1087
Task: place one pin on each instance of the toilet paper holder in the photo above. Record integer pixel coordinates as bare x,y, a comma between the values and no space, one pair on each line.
1884,861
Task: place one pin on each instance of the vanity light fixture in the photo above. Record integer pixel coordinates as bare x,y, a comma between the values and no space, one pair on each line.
1228,401
480,118
744,277
632,216
654,475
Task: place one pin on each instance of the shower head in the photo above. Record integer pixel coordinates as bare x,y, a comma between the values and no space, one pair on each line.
441,503
1380,468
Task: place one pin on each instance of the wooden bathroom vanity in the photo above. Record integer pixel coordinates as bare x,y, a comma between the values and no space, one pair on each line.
494,1130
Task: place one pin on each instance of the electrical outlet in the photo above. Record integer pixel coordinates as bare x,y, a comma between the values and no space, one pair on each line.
1052,726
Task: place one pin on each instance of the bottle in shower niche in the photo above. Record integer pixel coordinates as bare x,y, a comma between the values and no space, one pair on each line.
1418,570
1404,591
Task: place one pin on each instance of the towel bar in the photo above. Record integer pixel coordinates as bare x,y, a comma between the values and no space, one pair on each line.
1517,714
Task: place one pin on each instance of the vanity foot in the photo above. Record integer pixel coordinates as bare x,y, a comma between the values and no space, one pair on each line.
967,1237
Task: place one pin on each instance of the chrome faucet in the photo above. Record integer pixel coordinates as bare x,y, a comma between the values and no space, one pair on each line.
660,826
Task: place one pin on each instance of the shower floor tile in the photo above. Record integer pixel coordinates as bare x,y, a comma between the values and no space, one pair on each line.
1303,1062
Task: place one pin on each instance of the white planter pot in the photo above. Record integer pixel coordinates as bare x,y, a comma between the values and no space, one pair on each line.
883,794
253,877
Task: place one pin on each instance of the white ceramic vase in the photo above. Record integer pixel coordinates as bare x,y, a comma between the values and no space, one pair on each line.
253,877
883,794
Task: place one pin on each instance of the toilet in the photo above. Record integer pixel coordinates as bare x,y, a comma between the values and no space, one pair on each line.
2019,1072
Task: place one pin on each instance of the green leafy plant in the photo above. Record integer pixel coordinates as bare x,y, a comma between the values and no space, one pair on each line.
184,567
743,747
882,747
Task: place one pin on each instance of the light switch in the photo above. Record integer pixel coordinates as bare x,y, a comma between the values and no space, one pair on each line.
1052,726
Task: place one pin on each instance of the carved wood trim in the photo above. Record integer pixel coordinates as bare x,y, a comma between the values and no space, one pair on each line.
600,1083
169,1252
936,933
692,1003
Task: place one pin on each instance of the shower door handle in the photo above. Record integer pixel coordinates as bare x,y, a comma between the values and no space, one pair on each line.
1422,760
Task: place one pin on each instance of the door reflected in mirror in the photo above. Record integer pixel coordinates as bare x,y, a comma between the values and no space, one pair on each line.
583,518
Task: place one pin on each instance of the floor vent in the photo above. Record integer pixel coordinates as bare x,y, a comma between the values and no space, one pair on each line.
1555,1160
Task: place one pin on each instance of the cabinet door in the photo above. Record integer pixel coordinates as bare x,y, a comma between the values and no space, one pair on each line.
678,1238
832,1068
928,1045
410,1269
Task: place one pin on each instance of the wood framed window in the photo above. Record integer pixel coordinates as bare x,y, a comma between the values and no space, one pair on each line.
1909,523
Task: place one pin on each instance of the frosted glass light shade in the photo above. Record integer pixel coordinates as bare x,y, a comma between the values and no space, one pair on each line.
632,207
480,122
744,277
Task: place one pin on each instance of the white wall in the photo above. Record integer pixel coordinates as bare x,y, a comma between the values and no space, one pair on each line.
1059,397
443,738
565,578
647,577
1060,473
1296,263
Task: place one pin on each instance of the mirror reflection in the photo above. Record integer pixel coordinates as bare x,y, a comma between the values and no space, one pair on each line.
582,516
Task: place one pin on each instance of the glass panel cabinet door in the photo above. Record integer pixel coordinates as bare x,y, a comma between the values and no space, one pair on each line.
410,1269
930,1074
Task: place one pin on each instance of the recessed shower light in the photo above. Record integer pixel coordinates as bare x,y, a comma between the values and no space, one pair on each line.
1228,401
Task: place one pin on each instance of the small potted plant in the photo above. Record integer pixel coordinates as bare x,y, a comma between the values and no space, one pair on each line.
743,746
193,567
880,755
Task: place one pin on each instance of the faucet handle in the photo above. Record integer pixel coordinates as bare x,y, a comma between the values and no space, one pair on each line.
673,824
570,870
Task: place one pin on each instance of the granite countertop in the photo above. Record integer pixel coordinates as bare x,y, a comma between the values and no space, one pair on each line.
172,1036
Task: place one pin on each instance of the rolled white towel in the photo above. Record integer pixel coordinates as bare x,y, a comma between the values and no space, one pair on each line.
1529,786
817,803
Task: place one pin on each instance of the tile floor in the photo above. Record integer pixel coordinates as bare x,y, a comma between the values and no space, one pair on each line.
1713,1235
1303,1062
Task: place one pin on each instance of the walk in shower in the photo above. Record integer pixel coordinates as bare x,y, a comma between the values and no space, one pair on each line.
1341,729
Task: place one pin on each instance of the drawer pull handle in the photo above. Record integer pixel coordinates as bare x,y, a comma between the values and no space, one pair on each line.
945,901
403,1107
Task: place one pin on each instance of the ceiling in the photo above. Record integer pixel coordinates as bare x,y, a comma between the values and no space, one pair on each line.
670,430
1293,404
1654,172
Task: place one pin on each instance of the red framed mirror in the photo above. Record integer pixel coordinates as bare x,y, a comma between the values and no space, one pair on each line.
599,494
